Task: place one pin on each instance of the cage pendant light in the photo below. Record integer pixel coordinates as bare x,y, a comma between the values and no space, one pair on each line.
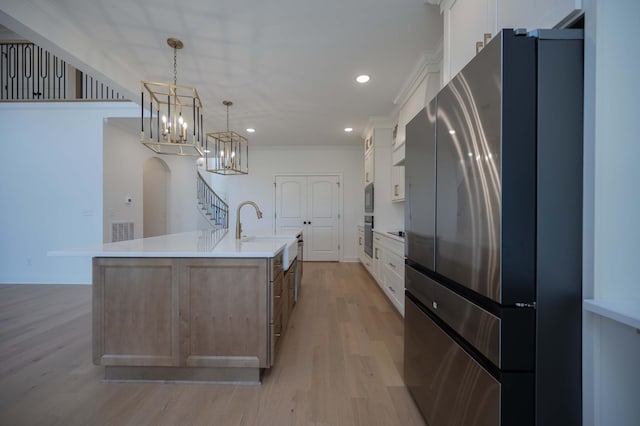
227,153
173,123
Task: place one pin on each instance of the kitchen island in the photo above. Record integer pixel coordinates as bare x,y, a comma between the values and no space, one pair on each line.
195,306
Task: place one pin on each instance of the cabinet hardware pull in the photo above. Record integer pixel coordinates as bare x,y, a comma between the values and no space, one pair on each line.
392,289
359,241
392,265
395,190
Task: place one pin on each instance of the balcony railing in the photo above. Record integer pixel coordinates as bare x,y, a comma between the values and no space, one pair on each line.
29,72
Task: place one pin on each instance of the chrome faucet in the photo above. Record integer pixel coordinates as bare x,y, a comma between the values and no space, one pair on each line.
238,224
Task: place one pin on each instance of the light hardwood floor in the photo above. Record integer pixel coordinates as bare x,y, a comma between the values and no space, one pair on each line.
340,363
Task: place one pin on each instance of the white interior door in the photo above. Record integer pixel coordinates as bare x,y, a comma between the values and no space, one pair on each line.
291,202
311,203
321,230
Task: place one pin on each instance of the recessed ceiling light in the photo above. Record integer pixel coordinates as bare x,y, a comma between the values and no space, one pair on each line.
363,78
452,132
348,129
251,129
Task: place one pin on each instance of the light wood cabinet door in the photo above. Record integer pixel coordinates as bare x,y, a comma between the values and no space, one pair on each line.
224,319
141,297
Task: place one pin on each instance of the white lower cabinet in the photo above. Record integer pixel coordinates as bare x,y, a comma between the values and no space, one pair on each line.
386,266
393,278
378,250
364,258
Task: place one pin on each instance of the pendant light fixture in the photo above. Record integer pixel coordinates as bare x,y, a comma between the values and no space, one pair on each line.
227,153
173,124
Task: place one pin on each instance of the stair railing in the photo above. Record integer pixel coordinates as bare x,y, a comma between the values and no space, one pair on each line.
215,208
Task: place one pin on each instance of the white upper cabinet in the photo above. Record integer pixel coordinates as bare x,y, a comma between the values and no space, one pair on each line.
397,183
465,24
469,24
369,164
535,14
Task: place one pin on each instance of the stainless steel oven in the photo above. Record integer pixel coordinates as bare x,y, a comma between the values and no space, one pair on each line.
368,235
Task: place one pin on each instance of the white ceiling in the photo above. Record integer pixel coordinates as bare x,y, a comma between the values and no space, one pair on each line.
288,65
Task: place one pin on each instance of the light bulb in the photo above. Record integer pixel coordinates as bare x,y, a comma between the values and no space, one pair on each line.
164,118
233,154
180,120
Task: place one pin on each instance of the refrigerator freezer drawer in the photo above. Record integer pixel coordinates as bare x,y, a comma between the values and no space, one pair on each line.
449,386
479,327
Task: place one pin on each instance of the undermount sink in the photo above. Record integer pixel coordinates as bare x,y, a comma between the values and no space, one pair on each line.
289,252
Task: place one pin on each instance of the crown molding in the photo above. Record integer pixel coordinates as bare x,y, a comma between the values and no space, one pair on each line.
433,2
428,62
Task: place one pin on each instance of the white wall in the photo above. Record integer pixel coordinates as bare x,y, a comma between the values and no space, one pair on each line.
612,207
51,187
266,162
124,158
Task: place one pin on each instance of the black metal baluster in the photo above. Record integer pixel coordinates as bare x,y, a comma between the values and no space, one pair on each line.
142,113
28,71
2,70
47,73
13,61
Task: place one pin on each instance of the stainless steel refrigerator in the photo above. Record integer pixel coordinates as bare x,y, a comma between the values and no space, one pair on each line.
493,221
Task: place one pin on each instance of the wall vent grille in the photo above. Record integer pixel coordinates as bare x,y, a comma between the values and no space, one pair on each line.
121,231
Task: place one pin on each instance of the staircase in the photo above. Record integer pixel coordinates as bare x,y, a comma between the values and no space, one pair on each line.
213,208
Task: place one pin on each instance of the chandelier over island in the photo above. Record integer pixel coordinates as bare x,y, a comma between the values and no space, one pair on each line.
227,153
173,124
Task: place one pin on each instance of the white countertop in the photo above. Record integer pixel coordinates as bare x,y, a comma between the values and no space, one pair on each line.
201,243
387,234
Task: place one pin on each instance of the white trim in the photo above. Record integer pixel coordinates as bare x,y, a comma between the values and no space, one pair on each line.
429,62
